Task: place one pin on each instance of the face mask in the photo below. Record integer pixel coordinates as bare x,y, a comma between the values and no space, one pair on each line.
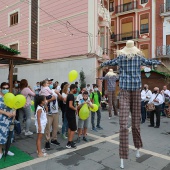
16,85
50,86
95,89
5,91
145,88
155,92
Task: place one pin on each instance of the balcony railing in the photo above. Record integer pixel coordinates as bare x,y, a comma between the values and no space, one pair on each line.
163,51
165,8
126,7
144,31
125,36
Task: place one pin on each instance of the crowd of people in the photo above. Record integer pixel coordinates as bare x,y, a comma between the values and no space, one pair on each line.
160,100
49,97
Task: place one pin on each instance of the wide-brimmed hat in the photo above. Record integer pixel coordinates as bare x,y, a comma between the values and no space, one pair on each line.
130,50
111,73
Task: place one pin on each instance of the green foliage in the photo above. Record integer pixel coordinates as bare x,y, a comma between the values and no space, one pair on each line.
15,52
82,79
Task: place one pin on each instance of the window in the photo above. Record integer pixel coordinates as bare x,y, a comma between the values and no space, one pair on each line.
144,24
127,29
144,1
145,50
111,6
14,46
14,19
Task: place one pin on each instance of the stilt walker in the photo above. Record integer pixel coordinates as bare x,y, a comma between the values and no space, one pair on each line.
111,78
129,59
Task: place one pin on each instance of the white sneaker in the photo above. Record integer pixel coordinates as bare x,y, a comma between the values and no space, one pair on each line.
109,118
1,154
10,153
28,133
23,131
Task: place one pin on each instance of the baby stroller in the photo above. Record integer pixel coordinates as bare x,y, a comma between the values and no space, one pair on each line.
104,103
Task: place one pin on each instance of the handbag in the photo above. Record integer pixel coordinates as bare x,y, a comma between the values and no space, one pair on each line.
150,106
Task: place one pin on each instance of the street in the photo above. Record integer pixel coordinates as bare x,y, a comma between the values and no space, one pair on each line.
102,150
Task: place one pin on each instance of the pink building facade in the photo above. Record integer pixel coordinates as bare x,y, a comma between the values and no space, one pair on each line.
54,31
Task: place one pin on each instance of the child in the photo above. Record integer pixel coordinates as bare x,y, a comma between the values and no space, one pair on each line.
95,98
71,116
83,124
45,91
40,122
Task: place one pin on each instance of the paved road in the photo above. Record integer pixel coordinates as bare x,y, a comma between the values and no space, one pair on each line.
101,152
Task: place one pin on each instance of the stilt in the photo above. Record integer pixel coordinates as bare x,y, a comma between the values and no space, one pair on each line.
121,164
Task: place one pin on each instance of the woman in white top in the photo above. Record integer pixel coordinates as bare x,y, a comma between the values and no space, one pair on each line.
40,121
65,123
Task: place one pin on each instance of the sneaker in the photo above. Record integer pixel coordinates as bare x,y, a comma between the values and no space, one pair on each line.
23,131
85,139
58,133
73,145
64,136
78,140
94,129
55,142
109,118
47,145
28,133
1,154
156,127
68,146
53,107
10,153
99,127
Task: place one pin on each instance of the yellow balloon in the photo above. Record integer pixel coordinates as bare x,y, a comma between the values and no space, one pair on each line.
8,99
95,108
72,76
84,112
32,102
19,101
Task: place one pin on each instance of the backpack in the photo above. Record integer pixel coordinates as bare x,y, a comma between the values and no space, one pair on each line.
99,96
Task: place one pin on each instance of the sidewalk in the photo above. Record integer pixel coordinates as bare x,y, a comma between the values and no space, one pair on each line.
102,150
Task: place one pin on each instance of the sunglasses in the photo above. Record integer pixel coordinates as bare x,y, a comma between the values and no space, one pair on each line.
3,88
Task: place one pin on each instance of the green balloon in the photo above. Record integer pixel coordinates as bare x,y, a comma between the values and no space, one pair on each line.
84,112
95,108
19,101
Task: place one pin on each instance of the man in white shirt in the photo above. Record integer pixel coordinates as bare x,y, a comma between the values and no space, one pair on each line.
145,97
165,93
157,100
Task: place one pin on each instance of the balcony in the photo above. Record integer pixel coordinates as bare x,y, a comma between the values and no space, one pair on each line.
165,9
126,7
125,36
104,13
163,51
144,31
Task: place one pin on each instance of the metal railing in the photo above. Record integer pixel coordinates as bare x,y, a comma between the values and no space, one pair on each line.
163,50
165,8
145,30
125,36
126,7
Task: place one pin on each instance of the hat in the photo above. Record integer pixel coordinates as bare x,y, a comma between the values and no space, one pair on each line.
49,79
130,50
111,73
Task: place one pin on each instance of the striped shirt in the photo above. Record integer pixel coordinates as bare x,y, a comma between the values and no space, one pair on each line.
130,70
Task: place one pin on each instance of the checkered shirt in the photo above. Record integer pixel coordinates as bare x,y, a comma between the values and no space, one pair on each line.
129,70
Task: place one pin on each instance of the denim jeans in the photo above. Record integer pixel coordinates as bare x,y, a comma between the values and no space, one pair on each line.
65,124
98,118
25,111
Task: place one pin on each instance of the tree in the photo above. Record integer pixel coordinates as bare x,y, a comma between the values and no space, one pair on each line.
82,79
